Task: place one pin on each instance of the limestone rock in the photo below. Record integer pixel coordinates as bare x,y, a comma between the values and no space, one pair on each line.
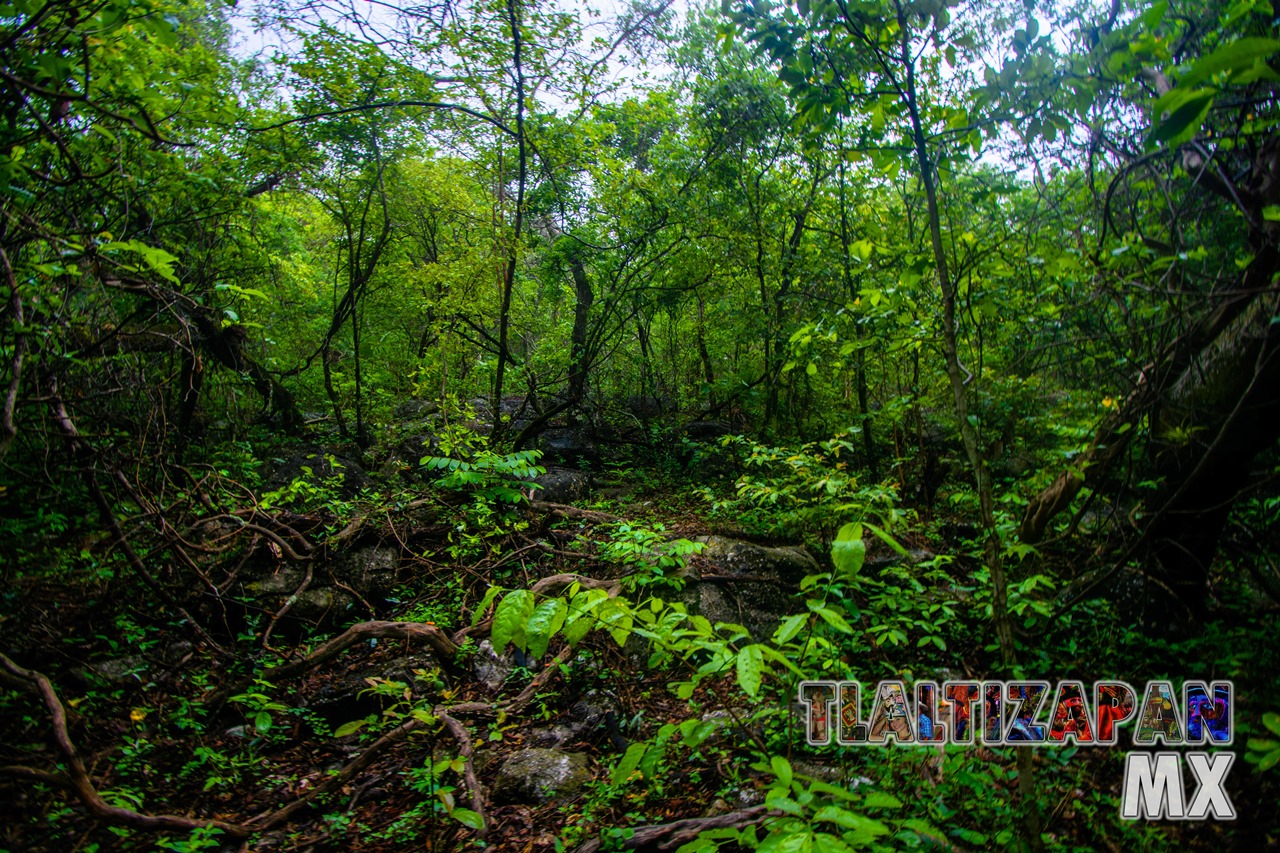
537,776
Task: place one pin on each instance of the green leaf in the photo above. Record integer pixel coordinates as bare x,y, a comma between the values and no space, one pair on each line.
782,769
547,618
262,722
848,551
788,629
630,761
1272,721
834,619
468,818
1184,121
887,539
882,800
350,728
750,669
510,618
1236,56
483,607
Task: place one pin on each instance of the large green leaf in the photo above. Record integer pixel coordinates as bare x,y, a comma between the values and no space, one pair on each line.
848,551
750,669
1183,122
547,618
510,618
1236,56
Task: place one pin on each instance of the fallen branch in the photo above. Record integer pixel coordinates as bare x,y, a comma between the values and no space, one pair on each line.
668,836
567,511
433,637
553,584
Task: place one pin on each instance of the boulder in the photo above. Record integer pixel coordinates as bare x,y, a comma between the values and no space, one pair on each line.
323,604
416,410
345,696
562,485
570,446
491,668
706,430
537,776
747,584
370,570
320,470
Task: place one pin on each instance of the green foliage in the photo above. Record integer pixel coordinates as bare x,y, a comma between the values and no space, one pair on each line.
801,490
1264,753
489,476
650,554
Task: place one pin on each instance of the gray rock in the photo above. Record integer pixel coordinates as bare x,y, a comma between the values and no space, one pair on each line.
555,736
537,776
416,410
120,670
786,563
706,430
746,584
177,651
571,446
595,706
562,485
492,669
322,470
315,605
371,570
351,686
282,582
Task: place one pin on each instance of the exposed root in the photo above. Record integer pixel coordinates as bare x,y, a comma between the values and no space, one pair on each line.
467,751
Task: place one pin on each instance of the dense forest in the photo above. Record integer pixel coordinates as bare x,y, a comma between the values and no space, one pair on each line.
465,424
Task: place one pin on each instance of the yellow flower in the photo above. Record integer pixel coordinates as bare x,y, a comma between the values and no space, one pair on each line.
138,714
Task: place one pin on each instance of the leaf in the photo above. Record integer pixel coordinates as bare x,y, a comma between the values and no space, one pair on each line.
848,551
468,818
1236,56
262,722
1184,121
547,618
750,669
838,816
1272,721
630,761
882,800
483,607
887,539
350,728
788,629
510,618
782,769
835,620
